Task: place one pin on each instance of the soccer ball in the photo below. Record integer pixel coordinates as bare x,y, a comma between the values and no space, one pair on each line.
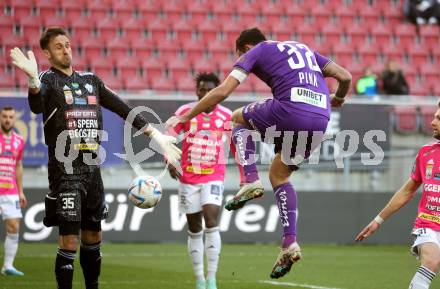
145,192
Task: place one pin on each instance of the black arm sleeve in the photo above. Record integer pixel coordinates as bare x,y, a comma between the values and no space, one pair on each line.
112,102
36,102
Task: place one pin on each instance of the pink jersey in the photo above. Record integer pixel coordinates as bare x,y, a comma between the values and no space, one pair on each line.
203,144
427,171
11,152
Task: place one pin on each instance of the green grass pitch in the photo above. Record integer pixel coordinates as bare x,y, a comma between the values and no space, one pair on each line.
167,266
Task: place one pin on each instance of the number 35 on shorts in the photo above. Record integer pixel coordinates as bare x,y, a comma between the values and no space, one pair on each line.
68,203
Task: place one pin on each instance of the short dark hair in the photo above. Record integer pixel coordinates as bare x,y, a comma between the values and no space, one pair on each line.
8,107
50,33
205,76
251,36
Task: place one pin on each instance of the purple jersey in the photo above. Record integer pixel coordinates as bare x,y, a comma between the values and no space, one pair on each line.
292,71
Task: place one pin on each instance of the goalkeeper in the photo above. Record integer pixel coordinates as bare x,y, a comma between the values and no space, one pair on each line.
71,105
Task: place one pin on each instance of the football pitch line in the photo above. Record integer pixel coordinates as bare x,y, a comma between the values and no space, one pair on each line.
290,284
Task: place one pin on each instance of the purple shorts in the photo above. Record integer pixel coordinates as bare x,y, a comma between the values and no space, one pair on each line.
296,133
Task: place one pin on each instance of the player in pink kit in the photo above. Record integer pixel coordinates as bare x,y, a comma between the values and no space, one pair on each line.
426,172
12,198
201,182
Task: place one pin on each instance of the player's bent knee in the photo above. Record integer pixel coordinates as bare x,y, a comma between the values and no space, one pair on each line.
432,263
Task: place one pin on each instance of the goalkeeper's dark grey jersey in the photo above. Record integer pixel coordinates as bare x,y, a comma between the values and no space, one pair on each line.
72,105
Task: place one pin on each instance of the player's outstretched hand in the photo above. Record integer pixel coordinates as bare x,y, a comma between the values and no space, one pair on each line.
166,142
336,101
368,231
27,64
173,121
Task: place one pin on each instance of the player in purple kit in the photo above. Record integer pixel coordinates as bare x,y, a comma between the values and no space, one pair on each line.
295,119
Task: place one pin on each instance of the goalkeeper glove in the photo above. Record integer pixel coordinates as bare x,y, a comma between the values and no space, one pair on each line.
166,143
28,65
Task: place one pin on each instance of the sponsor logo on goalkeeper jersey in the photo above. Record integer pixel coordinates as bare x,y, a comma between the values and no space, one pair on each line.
89,88
91,99
68,94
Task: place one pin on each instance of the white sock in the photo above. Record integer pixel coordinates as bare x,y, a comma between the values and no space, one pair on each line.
195,251
11,246
422,279
213,244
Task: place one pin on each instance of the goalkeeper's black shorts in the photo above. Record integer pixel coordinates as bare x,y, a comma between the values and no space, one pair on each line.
77,199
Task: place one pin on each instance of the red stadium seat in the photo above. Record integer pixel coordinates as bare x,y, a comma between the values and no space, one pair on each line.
426,117
259,86
167,48
107,28
193,49
178,67
55,21
419,89
92,47
231,30
368,52
7,81
204,65
247,11
222,12
368,15
118,47
142,47
112,82
128,66
153,67
417,53
184,30
307,34
430,36
83,27
31,26
21,8
98,9
344,15
158,28
271,11
47,8
430,73
101,65
209,30
356,33
135,83
133,28
343,53
392,51
197,11
173,10
381,33
72,9
148,9
10,41
393,14
283,30
405,119
332,34
406,33
321,14
436,89
225,66
296,12
219,49
162,84
123,9
186,84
